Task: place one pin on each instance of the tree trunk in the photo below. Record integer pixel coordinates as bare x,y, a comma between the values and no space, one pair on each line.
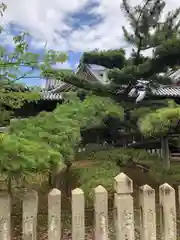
165,152
9,185
53,178
68,167
50,180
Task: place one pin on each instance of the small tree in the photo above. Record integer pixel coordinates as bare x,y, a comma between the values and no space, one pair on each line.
60,130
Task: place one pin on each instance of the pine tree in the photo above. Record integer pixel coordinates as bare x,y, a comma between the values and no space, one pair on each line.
147,31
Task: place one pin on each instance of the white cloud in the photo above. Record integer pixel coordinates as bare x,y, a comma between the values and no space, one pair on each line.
6,38
45,21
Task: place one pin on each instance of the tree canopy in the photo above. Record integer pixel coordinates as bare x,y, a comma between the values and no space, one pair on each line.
52,139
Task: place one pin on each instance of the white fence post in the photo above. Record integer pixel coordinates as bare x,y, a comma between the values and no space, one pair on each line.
101,213
124,207
5,216
147,213
78,230
168,212
54,215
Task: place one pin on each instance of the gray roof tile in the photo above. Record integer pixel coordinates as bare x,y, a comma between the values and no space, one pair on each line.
162,91
51,96
169,91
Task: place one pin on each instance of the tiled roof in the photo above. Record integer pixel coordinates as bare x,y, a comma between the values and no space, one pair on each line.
169,91
58,87
174,75
51,96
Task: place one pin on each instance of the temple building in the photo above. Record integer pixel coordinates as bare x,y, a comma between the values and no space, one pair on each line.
52,92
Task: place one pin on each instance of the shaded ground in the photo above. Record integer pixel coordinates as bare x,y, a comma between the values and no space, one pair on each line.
82,164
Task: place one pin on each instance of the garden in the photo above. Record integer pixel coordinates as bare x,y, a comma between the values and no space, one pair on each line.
41,152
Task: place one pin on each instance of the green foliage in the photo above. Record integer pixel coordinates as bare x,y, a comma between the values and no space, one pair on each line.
61,128
17,99
148,31
109,58
105,165
10,61
21,152
159,122
117,156
97,88
146,17
20,156
101,173
124,157
5,117
73,79
165,55
137,113
14,95
149,107
168,53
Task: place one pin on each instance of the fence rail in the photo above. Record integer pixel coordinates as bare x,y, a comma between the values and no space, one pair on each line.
124,222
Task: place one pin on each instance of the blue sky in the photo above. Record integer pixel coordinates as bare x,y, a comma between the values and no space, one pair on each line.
34,79
70,26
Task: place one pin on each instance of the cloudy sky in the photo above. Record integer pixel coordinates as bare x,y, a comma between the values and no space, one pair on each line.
72,26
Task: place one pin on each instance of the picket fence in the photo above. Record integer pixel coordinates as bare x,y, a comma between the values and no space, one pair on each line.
123,213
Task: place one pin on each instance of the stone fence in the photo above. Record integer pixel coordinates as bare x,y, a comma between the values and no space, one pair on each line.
124,223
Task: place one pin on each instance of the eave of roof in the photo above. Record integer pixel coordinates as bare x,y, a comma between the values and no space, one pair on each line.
169,91
51,96
55,94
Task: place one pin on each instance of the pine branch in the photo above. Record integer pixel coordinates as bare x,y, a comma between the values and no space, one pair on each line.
80,82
